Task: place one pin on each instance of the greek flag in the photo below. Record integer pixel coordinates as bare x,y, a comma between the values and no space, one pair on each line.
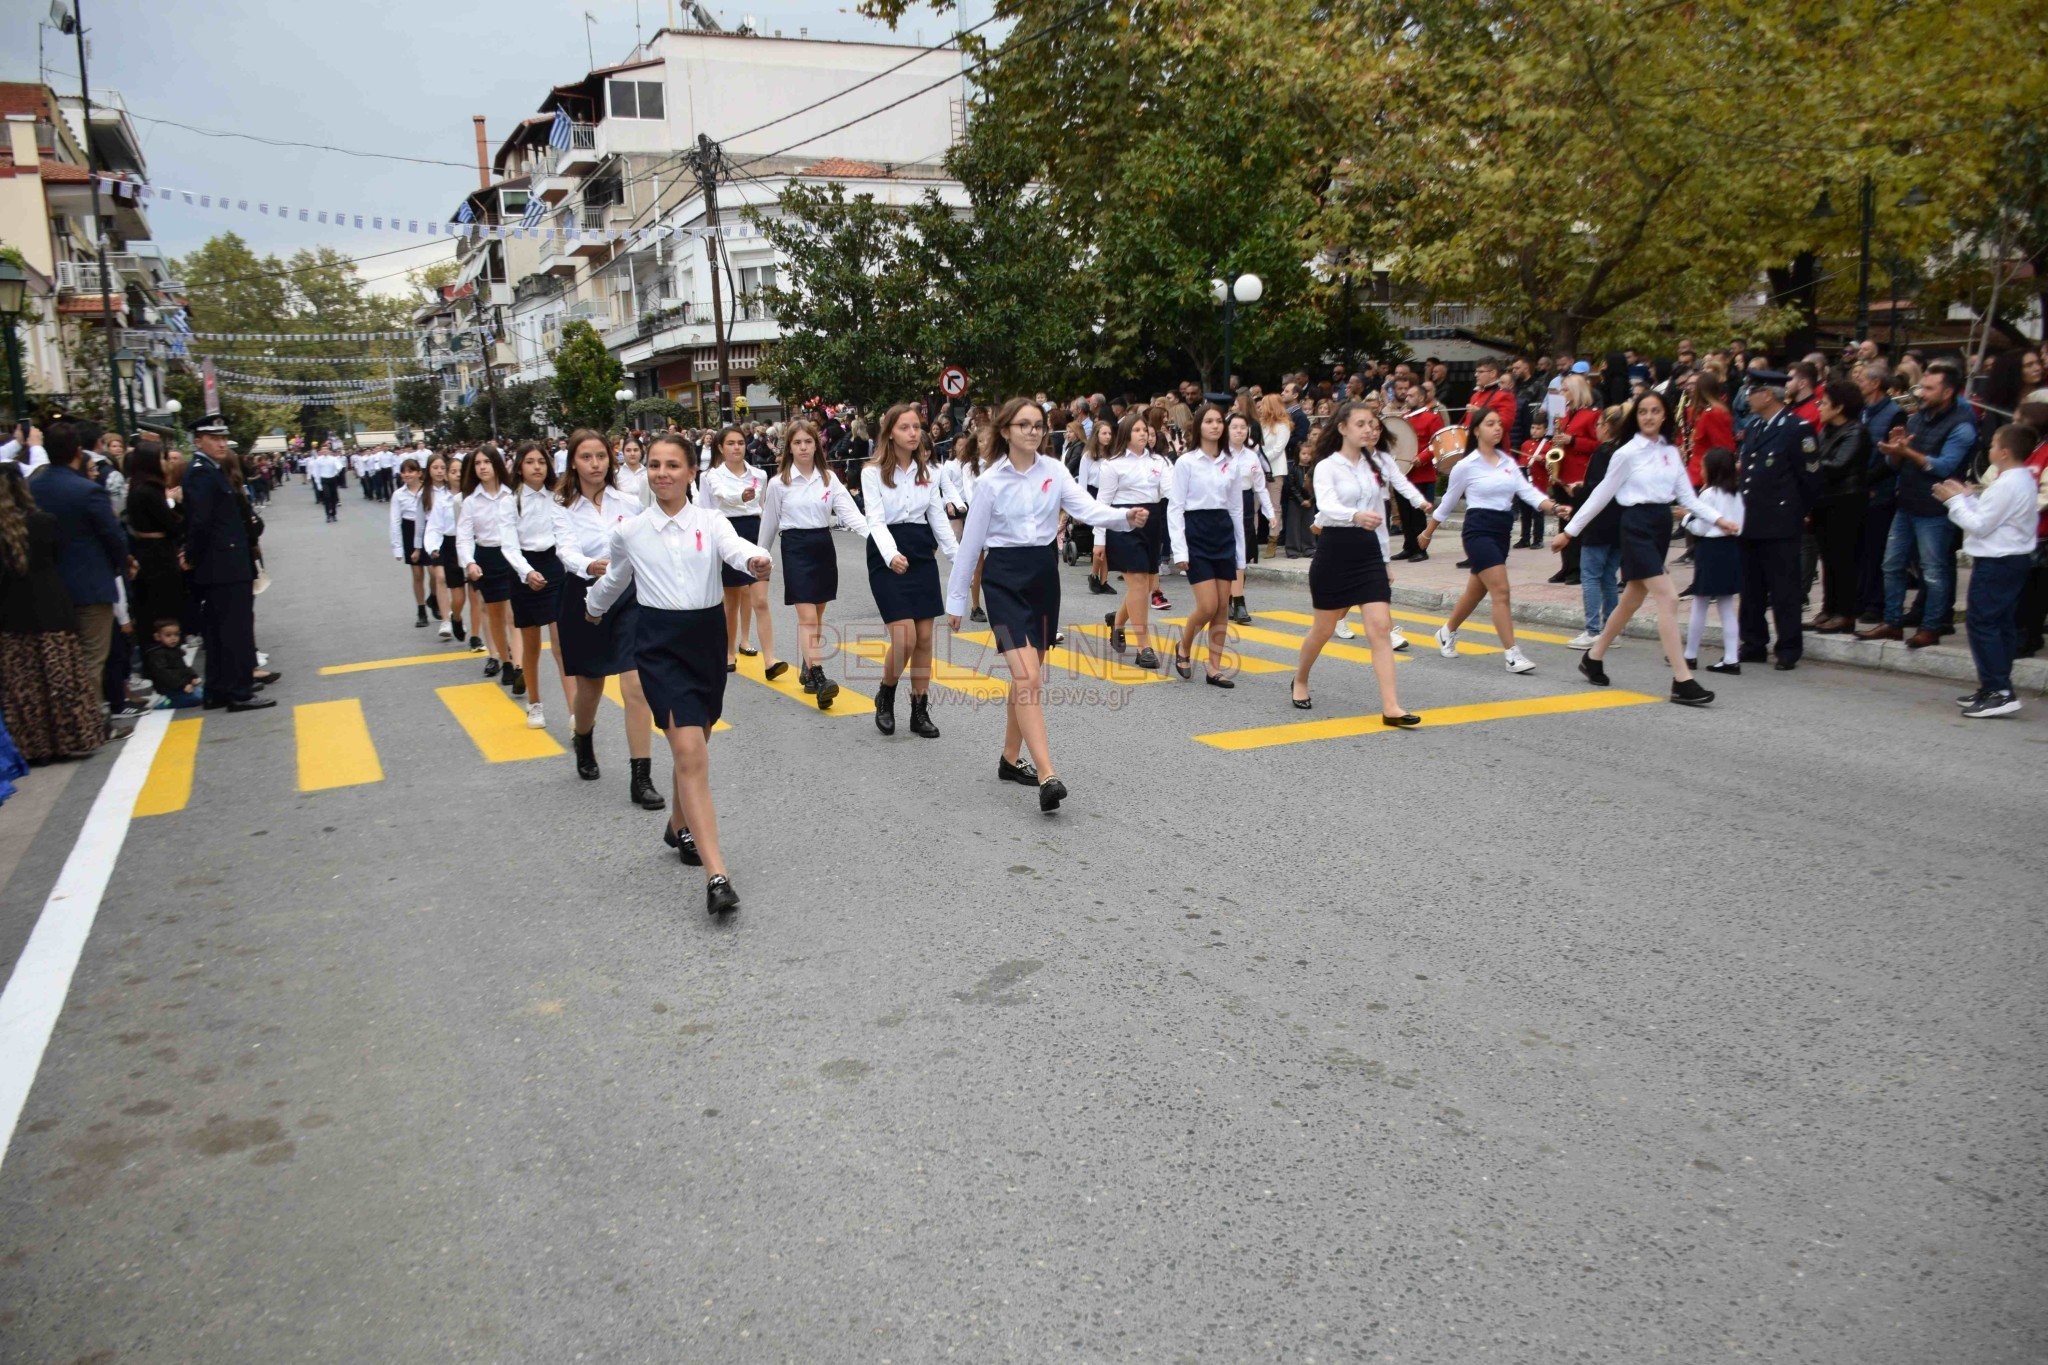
535,208
465,214
558,132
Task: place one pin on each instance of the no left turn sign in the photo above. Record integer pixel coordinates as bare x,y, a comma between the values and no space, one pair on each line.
953,381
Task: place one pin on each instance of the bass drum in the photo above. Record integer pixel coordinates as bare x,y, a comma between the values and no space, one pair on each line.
1401,437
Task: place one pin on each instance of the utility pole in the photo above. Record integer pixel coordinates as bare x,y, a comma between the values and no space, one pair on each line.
99,225
483,345
709,161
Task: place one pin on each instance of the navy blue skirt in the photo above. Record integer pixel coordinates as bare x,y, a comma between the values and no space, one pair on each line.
1717,567
1138,551
749,529
496,583
1646,539
450,562
810,567
1348,569
538,606
1486,536
1212,546
1020,590
594,651
681,655
1251,527
914,594
408,535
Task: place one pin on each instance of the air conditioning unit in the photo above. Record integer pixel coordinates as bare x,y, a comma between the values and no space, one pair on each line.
621,283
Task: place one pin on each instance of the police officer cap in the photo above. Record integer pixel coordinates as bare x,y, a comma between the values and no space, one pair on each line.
1774,379
215,425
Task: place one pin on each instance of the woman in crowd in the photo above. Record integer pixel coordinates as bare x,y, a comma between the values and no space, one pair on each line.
1837,514
907,529
669,555
439,506
530,538
733,488
1646,476
1015,518
156,529
1240,441
1276,432
1578,432
480,529
803,499
405,534
1135,478
591,507
1488,482
51,707
1350,565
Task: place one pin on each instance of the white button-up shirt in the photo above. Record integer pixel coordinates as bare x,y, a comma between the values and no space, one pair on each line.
1488,487
1642,471
1133,480
1021,507
405,506
583,529
1201,483
2000,521
912,499
807,503
634,481
482,521
529,525
439,523
672,561
724,492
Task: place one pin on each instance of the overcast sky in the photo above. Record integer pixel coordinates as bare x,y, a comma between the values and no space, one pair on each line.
388,77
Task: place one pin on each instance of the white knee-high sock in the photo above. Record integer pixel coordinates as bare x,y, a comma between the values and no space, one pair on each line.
1696,627
1731,638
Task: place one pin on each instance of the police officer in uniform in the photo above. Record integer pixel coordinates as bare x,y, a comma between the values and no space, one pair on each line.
1780,460
222,570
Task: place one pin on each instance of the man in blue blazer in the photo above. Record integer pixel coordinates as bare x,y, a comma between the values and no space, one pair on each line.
92,550
222,572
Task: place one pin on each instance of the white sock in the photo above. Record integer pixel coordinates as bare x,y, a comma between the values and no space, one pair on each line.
1697,626
1731,636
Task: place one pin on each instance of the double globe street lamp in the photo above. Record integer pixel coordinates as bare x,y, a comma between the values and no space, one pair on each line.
1230,293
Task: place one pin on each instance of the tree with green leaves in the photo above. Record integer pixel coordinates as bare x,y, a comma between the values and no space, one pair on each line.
587,378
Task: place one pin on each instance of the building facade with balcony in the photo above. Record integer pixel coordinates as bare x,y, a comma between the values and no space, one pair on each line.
46,214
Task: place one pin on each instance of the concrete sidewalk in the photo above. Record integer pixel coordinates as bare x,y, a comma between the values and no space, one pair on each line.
1435,584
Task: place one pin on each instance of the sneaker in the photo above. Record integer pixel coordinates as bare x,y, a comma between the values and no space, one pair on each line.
1344,630
446,632
1970,698
535,719
1993,704
1583,640
977,615
1159,602
1446,643
1690,693
1518,664
1399,641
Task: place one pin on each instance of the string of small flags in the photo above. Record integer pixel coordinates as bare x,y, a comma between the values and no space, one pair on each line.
321,359
308,336
383,382
429,227
323,399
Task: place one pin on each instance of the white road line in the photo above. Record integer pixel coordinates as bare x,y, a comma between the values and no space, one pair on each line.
42,975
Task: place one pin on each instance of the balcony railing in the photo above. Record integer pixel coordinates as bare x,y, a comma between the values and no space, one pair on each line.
83,277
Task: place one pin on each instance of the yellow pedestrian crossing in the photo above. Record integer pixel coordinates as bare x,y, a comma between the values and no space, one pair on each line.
847,703
950,676
616,695
1352,727
1087,665
169,785
1542,637
495,723
335,749
1280,639
1302,618
1234,660
446,656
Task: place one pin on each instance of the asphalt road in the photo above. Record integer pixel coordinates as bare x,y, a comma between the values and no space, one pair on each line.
1603,1036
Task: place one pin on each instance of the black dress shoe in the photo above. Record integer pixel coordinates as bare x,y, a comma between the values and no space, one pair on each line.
776,670
253,704
266,679
748,653
732,668
1147,660
684,843
1406,720
1020,772
1462,564
1418,557
490,668
719,897
1301,703
1731,670
1051,792
1785,665
1117,641
1217,680
977,615
1594,669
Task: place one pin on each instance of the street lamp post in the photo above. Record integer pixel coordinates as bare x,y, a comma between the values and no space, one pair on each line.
624,396
1230,293
13,293
124,372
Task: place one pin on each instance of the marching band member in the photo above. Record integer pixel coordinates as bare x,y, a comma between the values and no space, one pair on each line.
1135,478
1015,518
479,543
669,554
1205,524
536,571
733,488
590,508
1646,476
907,528
405,534
1489,483
1350,565
804,497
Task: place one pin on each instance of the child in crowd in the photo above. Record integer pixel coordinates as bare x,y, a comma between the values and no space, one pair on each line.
1999,537
164,663
1717,561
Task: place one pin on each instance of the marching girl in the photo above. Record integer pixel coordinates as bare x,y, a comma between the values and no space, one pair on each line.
1646,476
1250,462
1100,445
907,528
405,535
439,504
669,555
1489,483
733,488
530,540
972,452
590,507
480,529
631,471
1135,478
1205,525
1350,565
803,498
1717,561
1015,518
1379,449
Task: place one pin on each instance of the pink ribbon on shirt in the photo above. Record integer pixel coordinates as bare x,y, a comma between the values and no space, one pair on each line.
700,542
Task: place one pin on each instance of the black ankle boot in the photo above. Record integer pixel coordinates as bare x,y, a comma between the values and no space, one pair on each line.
434,610
644,794
455,624
885,709
808,679
422,615
517,676
921,718
586,757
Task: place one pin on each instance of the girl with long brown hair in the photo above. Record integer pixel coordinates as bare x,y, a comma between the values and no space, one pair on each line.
733,488
1136,478
804,498
1015,517
480,544
907,529
531,534
439,504
1489,482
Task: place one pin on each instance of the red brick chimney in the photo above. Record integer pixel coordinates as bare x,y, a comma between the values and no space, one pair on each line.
483,153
